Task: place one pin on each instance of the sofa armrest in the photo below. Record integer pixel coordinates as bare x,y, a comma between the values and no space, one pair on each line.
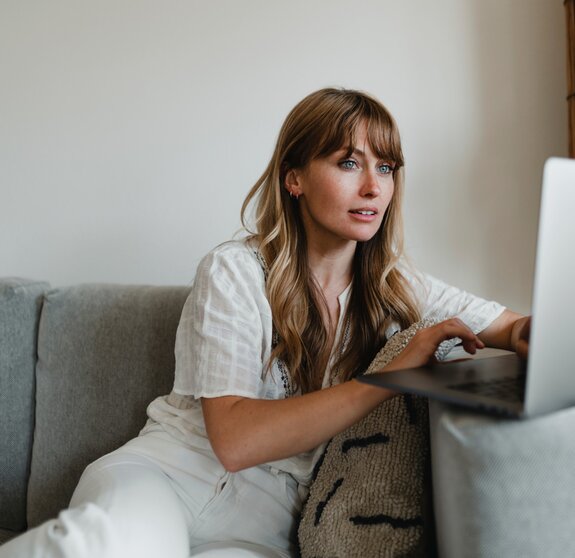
20,303
503,487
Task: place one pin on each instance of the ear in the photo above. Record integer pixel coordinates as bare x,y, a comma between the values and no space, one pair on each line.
292,183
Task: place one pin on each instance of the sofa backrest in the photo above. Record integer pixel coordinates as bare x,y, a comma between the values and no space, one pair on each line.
104,352
20,303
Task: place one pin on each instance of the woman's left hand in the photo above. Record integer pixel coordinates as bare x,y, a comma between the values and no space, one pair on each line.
522,329
510,331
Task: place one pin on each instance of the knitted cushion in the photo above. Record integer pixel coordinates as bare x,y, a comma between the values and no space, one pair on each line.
370,495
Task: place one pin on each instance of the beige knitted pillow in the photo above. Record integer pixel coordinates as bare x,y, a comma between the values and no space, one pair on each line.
370,496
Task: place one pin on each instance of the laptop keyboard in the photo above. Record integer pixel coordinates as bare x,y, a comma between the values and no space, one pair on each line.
508,389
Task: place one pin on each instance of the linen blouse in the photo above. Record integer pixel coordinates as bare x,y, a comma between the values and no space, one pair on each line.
225,337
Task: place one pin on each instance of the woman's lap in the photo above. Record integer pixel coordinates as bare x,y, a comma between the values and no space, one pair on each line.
257,505
155,496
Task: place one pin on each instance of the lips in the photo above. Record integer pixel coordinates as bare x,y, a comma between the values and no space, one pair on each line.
364,215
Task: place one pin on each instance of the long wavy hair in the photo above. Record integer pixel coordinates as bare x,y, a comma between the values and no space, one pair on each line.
321,124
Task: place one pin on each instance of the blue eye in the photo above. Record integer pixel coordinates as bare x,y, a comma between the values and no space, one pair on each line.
348,164
385,169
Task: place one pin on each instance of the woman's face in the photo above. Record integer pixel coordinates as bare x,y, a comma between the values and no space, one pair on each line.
343,198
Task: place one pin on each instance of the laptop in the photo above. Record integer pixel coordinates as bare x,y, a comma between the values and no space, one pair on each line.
505,384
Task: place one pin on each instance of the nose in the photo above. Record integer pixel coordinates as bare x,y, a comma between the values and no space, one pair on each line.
370,187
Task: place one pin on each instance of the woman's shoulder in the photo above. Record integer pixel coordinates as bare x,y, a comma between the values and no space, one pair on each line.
238,257
237,249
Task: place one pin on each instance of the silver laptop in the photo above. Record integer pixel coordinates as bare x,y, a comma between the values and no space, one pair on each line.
504,384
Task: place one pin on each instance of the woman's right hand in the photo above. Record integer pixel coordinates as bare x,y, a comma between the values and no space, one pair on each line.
421,348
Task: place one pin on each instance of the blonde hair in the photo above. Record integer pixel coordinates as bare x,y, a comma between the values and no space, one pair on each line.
322,123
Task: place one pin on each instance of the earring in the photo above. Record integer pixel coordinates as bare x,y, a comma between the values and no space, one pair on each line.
294,196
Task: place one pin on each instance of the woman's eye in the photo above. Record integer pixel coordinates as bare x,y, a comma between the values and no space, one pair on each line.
385,169
348,164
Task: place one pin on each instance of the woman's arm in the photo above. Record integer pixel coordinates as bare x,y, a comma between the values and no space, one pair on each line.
509,331
246,432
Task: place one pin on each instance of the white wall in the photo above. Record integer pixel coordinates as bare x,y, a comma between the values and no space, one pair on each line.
131,130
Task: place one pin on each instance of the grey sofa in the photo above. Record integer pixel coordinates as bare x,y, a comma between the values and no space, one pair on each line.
79,365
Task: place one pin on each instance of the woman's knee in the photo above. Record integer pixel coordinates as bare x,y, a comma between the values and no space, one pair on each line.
139,502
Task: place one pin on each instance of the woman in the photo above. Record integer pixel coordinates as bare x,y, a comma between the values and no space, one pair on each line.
270,339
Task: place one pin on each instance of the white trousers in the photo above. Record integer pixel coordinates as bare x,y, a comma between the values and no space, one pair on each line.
155,497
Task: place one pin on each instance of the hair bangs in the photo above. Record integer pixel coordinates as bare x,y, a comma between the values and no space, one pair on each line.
383,139
341,131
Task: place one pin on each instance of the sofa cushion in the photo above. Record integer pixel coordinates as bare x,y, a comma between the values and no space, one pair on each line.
104,352
20,302
503,487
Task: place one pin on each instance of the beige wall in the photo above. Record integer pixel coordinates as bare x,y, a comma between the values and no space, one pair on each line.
131,130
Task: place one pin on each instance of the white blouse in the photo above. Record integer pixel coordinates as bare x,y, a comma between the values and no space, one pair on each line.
224,341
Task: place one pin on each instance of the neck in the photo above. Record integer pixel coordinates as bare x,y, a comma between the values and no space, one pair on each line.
332,268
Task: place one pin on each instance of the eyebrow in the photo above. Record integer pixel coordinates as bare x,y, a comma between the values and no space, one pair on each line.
355,150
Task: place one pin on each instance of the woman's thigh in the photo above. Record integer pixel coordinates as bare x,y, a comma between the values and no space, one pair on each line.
258,505
138,501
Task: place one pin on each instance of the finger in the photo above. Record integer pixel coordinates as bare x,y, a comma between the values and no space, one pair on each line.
471,346
456,328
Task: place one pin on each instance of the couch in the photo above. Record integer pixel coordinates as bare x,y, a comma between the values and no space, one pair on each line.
79,365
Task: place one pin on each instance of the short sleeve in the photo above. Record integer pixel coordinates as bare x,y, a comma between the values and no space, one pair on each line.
441,301
220,343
